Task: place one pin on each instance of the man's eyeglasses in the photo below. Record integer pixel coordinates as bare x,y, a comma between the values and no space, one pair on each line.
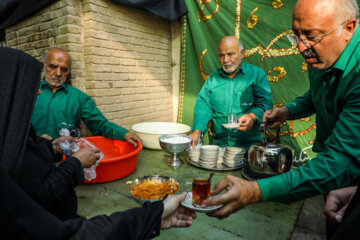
310,40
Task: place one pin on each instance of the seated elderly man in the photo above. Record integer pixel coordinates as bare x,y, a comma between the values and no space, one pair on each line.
62,106
236,88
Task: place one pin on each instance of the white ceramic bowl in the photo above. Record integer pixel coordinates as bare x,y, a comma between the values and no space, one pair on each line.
209,148
149,132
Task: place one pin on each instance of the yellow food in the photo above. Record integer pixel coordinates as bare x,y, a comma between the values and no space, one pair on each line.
153,190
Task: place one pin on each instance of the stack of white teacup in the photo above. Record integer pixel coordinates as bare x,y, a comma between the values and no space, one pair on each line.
209,155
194,154
221,155
233,156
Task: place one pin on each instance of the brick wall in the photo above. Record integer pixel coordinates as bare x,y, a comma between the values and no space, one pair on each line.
121,55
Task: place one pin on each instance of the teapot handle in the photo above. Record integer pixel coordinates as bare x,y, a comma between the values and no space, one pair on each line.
263,133
264,139
277,138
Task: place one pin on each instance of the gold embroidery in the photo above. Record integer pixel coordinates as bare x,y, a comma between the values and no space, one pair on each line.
279,104
300,133
304,67
203,75
274,78
210,127
182,73
277,4
237,19
268,52
201,12
252,19
290,130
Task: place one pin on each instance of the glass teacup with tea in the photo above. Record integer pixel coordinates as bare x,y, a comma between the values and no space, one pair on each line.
200,190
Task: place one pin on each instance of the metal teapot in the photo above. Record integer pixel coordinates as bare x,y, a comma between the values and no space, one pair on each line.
269,158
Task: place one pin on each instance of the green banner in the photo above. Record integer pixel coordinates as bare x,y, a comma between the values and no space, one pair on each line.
262,27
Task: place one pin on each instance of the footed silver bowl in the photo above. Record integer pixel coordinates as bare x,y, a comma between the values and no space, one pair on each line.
175,144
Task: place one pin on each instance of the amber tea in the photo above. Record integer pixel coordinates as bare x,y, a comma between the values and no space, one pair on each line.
200,190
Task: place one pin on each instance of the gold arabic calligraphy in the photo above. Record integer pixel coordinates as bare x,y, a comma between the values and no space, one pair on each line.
252,19
201,15
268,52
277,4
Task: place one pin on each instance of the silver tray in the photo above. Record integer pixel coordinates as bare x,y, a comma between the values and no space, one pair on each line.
218,167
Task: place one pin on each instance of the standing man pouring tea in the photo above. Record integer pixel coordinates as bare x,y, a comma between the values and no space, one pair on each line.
328,37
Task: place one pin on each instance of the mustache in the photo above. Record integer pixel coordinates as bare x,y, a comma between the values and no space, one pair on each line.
56,78
228,64
309,53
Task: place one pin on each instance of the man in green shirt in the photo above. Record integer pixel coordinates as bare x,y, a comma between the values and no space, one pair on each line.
62,106
236,88
328,38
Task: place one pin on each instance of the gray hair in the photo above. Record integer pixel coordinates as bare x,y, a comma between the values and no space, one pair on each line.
347,9
45,55
241,47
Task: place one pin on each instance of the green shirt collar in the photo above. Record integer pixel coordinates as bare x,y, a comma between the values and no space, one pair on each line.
242,70
65,86
344,58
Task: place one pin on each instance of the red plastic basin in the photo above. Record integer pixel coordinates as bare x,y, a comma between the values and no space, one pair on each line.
120,159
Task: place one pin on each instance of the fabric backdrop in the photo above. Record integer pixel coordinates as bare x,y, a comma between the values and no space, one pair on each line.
13,11
262,26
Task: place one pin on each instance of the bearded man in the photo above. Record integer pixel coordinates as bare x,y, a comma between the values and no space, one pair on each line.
61,106
236,88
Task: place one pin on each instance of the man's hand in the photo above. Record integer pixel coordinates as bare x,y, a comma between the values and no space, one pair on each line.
277,115
132,138
246,122
87,156
337,202
195,137
175,215
56,142
239,193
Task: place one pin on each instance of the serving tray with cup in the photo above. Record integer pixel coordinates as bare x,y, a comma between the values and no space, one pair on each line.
217,167
219,159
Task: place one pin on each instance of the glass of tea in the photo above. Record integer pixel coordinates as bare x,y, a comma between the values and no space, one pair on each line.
200,190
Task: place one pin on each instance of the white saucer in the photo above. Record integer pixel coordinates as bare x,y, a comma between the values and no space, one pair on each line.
231,125
189,204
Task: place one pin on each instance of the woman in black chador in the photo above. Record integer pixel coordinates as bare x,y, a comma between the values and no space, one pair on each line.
31,186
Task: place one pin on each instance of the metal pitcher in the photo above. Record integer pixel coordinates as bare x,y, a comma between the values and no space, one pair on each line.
269,158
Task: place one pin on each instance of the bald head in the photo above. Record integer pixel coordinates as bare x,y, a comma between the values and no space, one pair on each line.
340,10
230,41
55,50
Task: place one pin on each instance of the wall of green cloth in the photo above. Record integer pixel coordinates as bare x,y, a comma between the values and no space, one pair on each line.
262,26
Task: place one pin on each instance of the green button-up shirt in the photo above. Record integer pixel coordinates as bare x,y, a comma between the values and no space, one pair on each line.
248,91
65,108
334,96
